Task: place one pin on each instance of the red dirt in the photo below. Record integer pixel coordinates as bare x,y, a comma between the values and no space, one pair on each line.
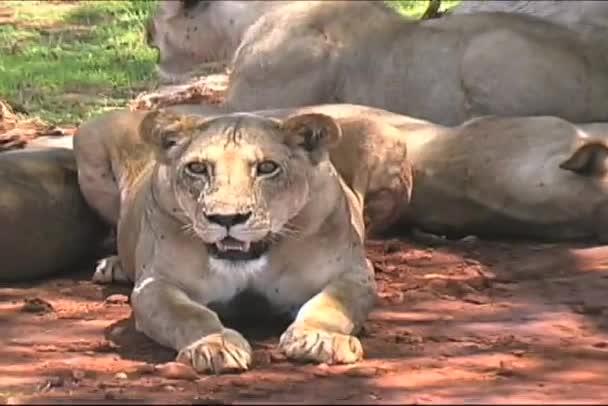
474,322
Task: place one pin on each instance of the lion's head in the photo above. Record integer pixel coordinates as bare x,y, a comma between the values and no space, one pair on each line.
240,179
188,33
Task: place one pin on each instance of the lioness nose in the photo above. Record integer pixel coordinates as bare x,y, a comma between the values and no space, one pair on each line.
229,220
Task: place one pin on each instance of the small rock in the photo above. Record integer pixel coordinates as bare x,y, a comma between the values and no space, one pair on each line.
121,376
176,370
117,299
36,305
362,372
518,353
169,388
276,357
601,344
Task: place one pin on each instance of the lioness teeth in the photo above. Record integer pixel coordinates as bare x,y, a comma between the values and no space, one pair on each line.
233,245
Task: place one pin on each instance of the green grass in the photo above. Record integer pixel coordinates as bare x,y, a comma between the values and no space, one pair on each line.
415,8
65,62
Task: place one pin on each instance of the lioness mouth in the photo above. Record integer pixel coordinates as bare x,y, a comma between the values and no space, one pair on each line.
232,249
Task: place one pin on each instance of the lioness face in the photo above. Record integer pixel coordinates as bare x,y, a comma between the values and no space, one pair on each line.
188,33
239,179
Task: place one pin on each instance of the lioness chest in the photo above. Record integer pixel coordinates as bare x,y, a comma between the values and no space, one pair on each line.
283,279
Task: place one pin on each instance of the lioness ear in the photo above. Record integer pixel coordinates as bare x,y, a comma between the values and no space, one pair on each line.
315,133
588,160
168,133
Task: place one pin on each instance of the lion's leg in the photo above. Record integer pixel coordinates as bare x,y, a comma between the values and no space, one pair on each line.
95,176
167,315
324,328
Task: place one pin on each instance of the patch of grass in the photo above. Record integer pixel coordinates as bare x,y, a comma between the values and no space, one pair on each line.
68,61
415,8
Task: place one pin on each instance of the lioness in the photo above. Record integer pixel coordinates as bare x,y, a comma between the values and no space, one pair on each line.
210,209
445,70
189,33
46,225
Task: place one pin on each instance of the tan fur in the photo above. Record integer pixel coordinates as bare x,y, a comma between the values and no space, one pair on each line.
168,221
47,227
208,31
588,18
445,70
534,177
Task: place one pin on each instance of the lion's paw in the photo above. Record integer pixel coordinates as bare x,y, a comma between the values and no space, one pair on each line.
109,270
217,353
301,343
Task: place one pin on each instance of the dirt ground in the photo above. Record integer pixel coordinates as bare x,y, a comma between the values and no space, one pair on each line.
462,322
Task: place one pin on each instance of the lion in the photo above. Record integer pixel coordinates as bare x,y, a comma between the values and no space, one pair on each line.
190,33
47,226
589,18
446,70
213,209
541,178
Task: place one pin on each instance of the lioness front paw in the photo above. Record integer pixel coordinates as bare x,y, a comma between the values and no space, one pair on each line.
227,351
109,270
302,343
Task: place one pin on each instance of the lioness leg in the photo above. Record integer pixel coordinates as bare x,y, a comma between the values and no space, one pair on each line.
95,175
166,314
324,328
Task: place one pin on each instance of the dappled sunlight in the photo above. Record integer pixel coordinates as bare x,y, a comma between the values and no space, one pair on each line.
482,322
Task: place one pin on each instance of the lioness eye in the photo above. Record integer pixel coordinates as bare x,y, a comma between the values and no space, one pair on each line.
267,167
197,168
